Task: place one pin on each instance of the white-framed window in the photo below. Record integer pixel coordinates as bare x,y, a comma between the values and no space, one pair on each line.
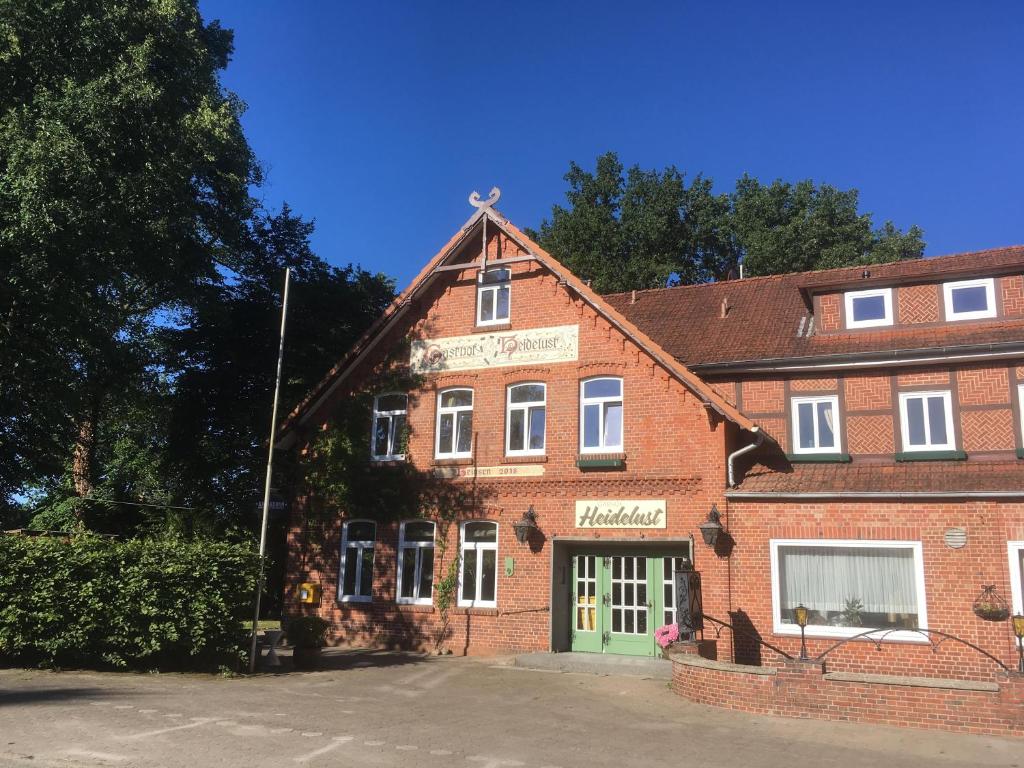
416,562
970,299
454,424
868,309
478,564
389,415
848,587
525,419
494,297
601,414
1016,552
815,424
357,543
926,420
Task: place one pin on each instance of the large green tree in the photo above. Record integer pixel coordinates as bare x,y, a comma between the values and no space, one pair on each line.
626,229
124,179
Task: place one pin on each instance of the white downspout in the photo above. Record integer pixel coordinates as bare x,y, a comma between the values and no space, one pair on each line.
759,438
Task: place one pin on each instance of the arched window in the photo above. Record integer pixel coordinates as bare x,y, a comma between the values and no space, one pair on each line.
416,562
601,415
454,423
525,416
389,414
478,571
357,543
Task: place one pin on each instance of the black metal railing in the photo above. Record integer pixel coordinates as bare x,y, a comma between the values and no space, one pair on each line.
877,636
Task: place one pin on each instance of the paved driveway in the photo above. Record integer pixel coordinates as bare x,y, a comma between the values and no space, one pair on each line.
393,710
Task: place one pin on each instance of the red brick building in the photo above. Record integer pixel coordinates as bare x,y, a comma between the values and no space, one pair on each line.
858,431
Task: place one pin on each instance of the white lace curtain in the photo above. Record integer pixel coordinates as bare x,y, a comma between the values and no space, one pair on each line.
824,578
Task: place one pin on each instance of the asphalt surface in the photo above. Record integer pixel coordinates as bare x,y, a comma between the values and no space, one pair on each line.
399,710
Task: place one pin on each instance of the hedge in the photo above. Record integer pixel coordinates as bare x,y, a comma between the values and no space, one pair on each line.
164,604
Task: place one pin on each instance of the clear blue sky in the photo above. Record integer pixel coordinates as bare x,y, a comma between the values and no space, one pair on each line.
377,119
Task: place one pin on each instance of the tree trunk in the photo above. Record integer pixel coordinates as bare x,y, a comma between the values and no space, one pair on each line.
84,452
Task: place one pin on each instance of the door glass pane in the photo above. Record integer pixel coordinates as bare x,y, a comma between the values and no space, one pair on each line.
613,425
426,572
628,616
591,426
641,622
805,422
489,574
465,431
617,620
408,565
516,429
366,574
971,299
915,421
826,432
469,574
937,420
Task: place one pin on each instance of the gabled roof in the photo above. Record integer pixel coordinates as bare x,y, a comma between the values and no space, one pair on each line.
340,371
769,318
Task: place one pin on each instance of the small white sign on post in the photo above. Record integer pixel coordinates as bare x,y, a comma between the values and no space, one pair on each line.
621,513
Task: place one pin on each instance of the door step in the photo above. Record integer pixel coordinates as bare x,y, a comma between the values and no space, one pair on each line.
598,664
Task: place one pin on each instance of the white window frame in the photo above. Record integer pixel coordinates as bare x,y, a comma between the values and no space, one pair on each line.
795,419
478,546
896,635
494,288
454,410
394,440
1013,549
987,283
850,296
526,407
950,443
361,545
585,401
415,549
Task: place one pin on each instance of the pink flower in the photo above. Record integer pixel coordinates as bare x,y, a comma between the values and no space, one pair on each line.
666,635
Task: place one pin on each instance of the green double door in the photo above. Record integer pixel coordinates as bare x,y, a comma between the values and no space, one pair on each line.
619,600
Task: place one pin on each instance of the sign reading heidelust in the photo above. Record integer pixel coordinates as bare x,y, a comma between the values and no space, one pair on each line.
621,513
556,344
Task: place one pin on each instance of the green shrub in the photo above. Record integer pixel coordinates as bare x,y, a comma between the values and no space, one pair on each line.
307,632
85,601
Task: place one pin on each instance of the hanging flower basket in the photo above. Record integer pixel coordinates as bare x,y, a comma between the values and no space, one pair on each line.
990,605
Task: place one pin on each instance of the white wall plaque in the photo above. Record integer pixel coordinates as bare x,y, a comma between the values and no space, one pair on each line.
496,350
621,513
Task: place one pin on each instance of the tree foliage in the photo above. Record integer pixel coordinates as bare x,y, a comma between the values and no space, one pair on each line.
626,229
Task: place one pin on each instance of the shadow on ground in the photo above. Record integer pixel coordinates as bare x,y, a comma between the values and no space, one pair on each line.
337,659
10,698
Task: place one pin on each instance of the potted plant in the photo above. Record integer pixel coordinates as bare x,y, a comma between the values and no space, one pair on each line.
307,635
665,636
990,605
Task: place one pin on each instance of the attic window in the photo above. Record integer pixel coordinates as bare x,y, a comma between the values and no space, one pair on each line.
970,299
493,297
869,309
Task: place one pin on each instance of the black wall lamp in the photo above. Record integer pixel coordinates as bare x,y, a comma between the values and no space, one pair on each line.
800,614
525,526
711,528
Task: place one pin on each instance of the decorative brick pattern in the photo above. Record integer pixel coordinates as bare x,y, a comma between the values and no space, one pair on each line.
831,316
918,303
870,434
983,386
776,429
813,385
990,430
868,393
923,377
764,397
1013,295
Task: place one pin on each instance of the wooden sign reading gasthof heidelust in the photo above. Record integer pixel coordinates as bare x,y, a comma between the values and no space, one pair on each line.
501,349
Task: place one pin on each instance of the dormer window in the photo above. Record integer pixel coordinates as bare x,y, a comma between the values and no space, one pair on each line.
869,309
493,297
970,299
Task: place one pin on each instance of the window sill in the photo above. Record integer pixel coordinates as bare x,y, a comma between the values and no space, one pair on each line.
540,458
453,462
931,456
1020,453
395,461
350,603
507,326
839,633
472,611
414,608
599,461
826,458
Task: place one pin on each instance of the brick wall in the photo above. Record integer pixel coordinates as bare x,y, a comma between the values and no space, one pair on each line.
805,690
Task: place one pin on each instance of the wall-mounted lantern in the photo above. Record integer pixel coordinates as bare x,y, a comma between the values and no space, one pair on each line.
800,614
525,526
711,528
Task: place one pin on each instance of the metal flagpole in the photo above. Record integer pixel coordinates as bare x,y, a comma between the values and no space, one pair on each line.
270,464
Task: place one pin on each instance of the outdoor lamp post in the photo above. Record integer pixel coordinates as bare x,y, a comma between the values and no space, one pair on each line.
1018,630
800,614
712,527
525,525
